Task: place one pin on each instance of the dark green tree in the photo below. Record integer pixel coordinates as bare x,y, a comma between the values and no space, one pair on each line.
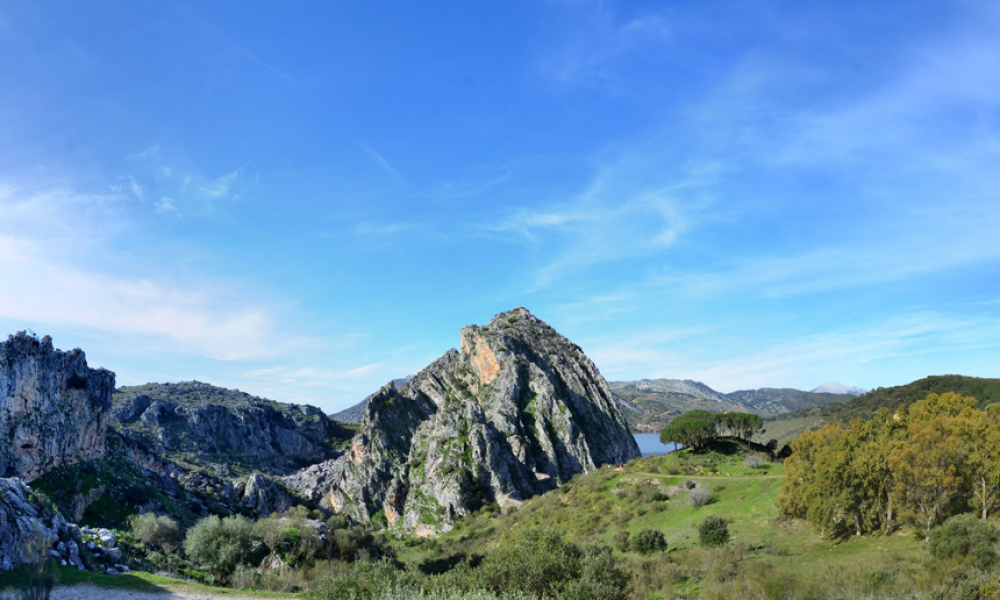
713,531
694,430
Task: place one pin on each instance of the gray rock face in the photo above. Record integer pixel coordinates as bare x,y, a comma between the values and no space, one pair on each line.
316,481
230,430
264,496
517,412
20,524
355,413
54,410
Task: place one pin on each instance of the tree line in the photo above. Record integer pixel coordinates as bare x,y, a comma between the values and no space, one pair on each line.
919,464
699,428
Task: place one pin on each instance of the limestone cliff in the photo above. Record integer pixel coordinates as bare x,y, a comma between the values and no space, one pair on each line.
519,410
224,432
54,410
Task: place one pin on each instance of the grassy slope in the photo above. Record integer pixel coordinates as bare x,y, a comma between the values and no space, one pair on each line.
596,506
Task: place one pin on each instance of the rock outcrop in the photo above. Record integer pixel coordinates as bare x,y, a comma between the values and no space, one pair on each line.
355,413
54,410
29,533
519,410
229,431
264,496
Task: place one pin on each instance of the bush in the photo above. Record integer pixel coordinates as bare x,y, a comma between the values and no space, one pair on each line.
753,461
157,530
221,544
647,541
966,538
699,497
368,579
967,583
713,531
543,565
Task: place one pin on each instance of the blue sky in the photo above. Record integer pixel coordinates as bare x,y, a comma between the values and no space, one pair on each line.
304,200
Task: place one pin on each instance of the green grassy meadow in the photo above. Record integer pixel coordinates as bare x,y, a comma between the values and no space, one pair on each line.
598,506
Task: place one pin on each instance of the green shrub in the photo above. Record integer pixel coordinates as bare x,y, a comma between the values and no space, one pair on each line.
157,530
543,565
647,541
713,531
966,538
968,583
368,579
221,544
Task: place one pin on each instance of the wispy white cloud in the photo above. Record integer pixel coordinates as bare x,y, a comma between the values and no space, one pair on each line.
905,345
367,228
145,155
381,162
599,40
629,208
220,187
128,185
166,205
54,240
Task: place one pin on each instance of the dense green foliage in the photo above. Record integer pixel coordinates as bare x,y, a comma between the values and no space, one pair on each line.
647,541
698,428
157,530
220,545
713,531
540,563
968,539
929,460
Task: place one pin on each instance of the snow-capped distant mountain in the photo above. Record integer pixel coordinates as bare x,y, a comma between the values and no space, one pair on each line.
839,388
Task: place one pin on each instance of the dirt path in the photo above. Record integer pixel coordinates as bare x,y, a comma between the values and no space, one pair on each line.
89,592
730,478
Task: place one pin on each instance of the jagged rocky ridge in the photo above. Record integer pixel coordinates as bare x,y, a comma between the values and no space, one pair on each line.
235,432
518,411
54,409
355,413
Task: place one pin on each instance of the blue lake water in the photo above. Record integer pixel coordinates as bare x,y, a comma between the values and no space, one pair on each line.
649,444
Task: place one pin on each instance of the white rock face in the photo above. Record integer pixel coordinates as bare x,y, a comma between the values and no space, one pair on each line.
54,410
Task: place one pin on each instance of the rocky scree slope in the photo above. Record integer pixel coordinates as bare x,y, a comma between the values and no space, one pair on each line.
54,409
519,410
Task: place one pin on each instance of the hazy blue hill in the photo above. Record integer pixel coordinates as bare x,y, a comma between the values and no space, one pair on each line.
654,402
776,401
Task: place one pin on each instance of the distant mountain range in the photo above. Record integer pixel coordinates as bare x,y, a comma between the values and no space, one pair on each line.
839,388
649,404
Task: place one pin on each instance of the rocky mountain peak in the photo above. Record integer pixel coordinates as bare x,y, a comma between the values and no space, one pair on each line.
517,411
